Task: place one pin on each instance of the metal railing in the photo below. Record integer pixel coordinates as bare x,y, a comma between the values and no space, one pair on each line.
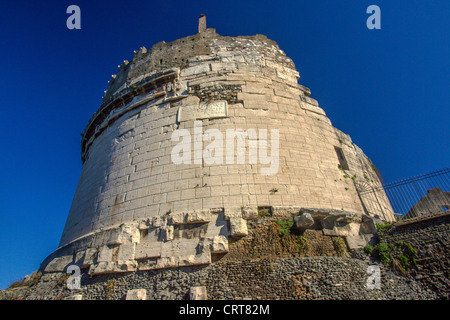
416,197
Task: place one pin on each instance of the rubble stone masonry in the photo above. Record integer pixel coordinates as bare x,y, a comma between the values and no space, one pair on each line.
135,209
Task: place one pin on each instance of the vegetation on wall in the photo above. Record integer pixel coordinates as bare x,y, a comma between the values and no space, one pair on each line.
340,246
110,287
34,279
264,212
400,256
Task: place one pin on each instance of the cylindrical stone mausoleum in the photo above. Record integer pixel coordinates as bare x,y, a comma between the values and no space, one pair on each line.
194,138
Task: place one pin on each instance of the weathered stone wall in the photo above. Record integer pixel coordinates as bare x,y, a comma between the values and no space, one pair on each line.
435,202
176,240
430,237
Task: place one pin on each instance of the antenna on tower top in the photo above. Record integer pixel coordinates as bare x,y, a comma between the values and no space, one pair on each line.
201,23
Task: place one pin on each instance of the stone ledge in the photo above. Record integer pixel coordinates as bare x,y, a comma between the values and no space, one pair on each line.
140,245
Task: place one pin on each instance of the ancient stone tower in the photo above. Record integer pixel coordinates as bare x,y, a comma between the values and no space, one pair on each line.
141,205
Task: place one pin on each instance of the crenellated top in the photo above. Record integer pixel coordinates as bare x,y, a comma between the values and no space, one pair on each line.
177,54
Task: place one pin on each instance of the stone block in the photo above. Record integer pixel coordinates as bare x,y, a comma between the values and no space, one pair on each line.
256,87
147,250
105,254
147,264
149,223
223,66
330,218
238,227
219,244
167,262
166,233
90,257
249,213
233,213
59,264
311,101
356,242
285,211
136,294
312,108
197,69
126,252
349,229
113,267
204,110
369,225
304,221
190,100
195,259
126,233
125,266
80,257
197,216
100,267
254,101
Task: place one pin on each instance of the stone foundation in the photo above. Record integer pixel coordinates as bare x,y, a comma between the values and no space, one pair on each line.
282,278
200,237
270,263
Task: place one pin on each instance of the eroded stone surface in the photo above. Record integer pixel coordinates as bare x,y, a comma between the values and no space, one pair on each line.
304,221
59,264
356,241
238,227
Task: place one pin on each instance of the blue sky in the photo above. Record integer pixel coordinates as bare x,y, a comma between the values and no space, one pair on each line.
388,88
